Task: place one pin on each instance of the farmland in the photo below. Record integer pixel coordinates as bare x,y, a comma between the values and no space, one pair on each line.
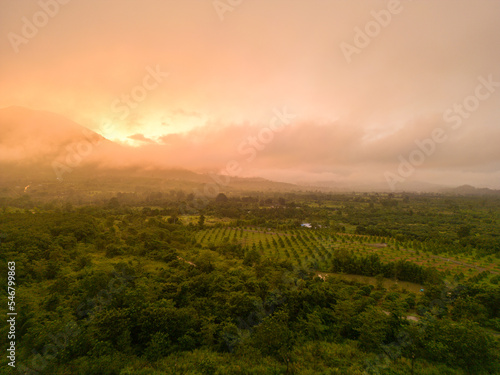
298,283
315,248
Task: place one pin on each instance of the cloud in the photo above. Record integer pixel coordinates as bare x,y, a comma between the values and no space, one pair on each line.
334,150
141,138
300,151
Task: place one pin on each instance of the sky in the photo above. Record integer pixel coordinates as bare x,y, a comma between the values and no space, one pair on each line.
291,90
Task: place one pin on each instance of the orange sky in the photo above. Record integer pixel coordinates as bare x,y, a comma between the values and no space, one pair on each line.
218,81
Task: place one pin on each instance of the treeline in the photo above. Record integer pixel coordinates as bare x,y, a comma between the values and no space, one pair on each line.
348,262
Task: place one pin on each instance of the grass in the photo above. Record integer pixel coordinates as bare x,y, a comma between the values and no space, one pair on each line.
387,283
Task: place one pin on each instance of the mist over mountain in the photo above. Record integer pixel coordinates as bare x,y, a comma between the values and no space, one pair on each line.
42,145
39,146
30,137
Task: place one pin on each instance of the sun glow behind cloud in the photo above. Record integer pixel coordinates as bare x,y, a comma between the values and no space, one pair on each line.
151,127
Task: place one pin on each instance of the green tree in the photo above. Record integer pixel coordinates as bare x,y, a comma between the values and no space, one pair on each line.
274,337
373,329
463,231
221,198
201,221
158,347
464,345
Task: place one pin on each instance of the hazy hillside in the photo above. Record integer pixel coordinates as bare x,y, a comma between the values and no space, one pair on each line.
28,135
471,190
43,147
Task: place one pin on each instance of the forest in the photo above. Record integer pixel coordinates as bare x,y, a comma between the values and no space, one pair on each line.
252,283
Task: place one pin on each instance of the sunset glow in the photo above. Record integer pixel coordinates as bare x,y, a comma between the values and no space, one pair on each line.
367,81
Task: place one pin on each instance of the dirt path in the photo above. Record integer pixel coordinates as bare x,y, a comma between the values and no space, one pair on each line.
186,261
413,318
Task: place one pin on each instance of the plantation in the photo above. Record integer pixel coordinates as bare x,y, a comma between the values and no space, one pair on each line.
316,247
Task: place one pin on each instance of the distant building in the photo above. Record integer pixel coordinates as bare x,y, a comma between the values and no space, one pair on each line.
306,225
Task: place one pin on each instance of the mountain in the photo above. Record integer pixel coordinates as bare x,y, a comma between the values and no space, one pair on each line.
33,144
40,147
28,135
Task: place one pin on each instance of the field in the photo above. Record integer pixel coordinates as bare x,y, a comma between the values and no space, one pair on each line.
307,247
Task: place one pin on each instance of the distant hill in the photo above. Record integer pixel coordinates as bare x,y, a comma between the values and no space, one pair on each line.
471,190
407,186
